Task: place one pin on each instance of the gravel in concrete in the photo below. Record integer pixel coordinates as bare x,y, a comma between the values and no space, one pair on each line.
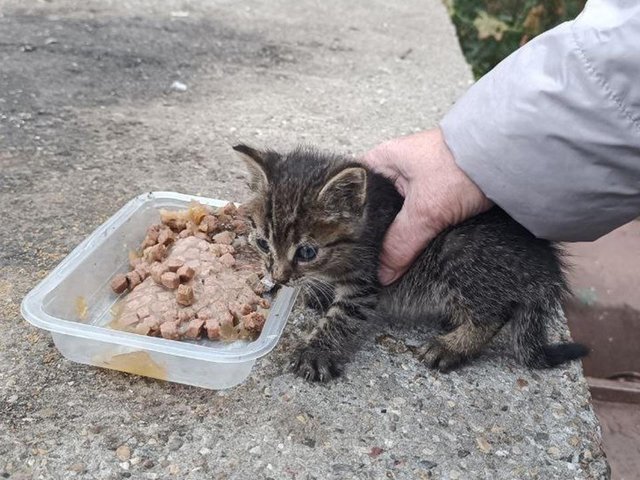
103,100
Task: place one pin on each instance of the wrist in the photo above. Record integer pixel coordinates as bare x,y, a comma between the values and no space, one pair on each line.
472,199
448,195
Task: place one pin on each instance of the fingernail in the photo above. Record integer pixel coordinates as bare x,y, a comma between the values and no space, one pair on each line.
386,275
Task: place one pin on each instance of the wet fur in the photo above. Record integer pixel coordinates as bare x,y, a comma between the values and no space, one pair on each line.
475,277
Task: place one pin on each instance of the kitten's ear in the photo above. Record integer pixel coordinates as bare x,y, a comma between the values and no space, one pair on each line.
255,160
346,191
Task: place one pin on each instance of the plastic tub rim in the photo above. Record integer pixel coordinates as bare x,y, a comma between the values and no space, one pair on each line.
32,306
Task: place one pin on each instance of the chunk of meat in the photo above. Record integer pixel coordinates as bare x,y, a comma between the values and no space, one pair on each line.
197,212
216,326
143,270
170,315
152,322
184,295
194,328
157,270
241,309
134,279
240,227
220,249
170,280
176,221
185,273
212,326
119,283
255,283
166,236
222,314
264,303
208,224
157,253
142,329
225,221
169,330
253,322
230,209
186,315
173,264
224,238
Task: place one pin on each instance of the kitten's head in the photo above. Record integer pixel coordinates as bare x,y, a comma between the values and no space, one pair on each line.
307,213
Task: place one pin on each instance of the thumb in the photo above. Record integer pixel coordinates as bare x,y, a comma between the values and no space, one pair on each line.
404,241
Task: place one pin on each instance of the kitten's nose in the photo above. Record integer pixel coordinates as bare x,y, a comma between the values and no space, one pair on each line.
281,274
281,279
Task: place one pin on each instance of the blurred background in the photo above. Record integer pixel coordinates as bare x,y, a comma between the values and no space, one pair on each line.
489,30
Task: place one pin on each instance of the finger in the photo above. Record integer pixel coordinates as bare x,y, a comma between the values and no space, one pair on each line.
392,173
381,160
406,238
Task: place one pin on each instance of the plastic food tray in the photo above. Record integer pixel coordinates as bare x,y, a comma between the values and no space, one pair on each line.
75,301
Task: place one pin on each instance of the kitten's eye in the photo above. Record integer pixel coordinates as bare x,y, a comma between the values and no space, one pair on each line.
263,245
306,253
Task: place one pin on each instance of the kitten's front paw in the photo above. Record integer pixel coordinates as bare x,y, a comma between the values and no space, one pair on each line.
436,355
316,365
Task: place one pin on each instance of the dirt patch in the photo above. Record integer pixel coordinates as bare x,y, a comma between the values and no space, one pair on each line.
56,62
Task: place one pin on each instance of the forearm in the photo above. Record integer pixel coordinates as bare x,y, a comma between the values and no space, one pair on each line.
552,134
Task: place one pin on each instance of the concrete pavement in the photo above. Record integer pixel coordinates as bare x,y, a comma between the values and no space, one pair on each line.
89,119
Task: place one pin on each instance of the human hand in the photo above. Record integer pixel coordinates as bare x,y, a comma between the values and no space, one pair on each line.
437,194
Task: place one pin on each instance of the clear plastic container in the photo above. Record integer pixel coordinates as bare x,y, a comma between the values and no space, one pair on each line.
74,302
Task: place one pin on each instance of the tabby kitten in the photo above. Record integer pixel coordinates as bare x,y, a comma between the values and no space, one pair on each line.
319,220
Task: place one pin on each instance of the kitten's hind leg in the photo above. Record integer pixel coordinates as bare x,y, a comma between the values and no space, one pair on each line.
448,351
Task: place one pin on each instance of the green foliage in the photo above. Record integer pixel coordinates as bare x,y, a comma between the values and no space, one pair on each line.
489,30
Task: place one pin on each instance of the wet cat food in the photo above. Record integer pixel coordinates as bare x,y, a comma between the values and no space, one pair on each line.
194,277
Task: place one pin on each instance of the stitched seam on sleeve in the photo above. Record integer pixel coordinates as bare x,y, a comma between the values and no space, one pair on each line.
603,83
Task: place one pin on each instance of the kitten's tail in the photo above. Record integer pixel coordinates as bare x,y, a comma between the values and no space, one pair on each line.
530,339
563,352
